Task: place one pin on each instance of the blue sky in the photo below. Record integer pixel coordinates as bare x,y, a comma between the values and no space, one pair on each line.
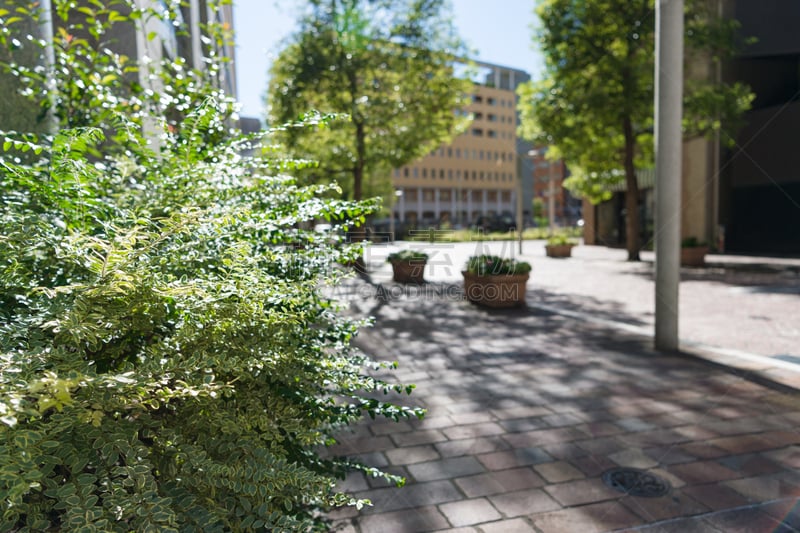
499,30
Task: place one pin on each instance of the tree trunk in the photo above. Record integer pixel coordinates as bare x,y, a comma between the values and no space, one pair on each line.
358,169
632,243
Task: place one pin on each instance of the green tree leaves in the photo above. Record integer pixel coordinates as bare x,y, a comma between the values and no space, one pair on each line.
388,66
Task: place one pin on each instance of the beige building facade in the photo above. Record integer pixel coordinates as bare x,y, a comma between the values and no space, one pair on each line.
478,173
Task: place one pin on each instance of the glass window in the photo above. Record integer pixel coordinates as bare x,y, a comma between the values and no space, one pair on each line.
424,172
477,132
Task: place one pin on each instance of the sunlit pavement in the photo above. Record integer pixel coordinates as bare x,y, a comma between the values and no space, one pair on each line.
528,408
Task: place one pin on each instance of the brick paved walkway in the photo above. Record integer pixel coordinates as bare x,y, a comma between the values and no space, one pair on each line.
526,410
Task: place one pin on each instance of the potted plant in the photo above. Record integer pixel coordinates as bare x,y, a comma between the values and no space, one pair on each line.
559,245
693,252
495,281
408,266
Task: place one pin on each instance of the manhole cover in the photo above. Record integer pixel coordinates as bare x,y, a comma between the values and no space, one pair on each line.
636,482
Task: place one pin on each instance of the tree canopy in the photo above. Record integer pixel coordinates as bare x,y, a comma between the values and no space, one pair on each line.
389,67
594,105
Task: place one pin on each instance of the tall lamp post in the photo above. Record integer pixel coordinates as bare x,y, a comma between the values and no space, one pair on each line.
396,196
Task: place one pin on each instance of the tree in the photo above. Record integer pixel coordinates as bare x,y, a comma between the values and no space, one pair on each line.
388,66
595,103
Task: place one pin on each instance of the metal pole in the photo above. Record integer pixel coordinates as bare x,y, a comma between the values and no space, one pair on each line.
46,34
520,223
551,201
668,111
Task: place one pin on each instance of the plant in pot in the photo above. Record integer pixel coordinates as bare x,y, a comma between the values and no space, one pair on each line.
559,245
408,266
693,252
494,281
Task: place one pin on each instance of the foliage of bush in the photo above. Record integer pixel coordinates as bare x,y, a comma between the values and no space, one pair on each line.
167,359
561,239
492,265
691,242
407,255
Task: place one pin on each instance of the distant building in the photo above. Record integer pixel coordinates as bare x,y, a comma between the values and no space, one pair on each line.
479,172
548,179
186,41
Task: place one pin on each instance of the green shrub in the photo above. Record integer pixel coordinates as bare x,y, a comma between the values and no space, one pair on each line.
691,242
561,239
492,265
407,255
167,359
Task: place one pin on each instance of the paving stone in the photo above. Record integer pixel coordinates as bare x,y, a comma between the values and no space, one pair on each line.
668,455
600,429
634,424
413,438
743,521
343,527
515,525
361,445
694,432
518,425
694,524
445,468
420,519
743,444
412,454
471,418
764,488
789,456
390,427
700,472
562,419
592,465
409,496
582,491
787,511
701,450
558,471
520,412
432,422
524,502
502,481
601,446
599,517
672,505
716,496
512,458
633,458
473,430
544,436
375,459
454,448
354,482
468,512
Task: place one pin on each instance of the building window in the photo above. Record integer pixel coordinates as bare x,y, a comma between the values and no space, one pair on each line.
450,174
441,173
491,117
491,134
478,115
405,172
449,152
477,132
491,101
481,175
416,172
474,175
427,195
481,155
424,172
478,99
458,153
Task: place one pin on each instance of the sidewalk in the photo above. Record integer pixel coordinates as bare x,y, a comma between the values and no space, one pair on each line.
527,409
739,311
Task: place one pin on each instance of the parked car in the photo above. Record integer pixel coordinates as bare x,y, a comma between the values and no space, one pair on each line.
491,223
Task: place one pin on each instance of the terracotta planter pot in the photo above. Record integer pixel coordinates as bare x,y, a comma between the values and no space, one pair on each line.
559,250
409,271
505,290
694,256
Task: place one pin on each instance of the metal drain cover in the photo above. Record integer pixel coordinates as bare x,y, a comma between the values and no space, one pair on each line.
636,482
